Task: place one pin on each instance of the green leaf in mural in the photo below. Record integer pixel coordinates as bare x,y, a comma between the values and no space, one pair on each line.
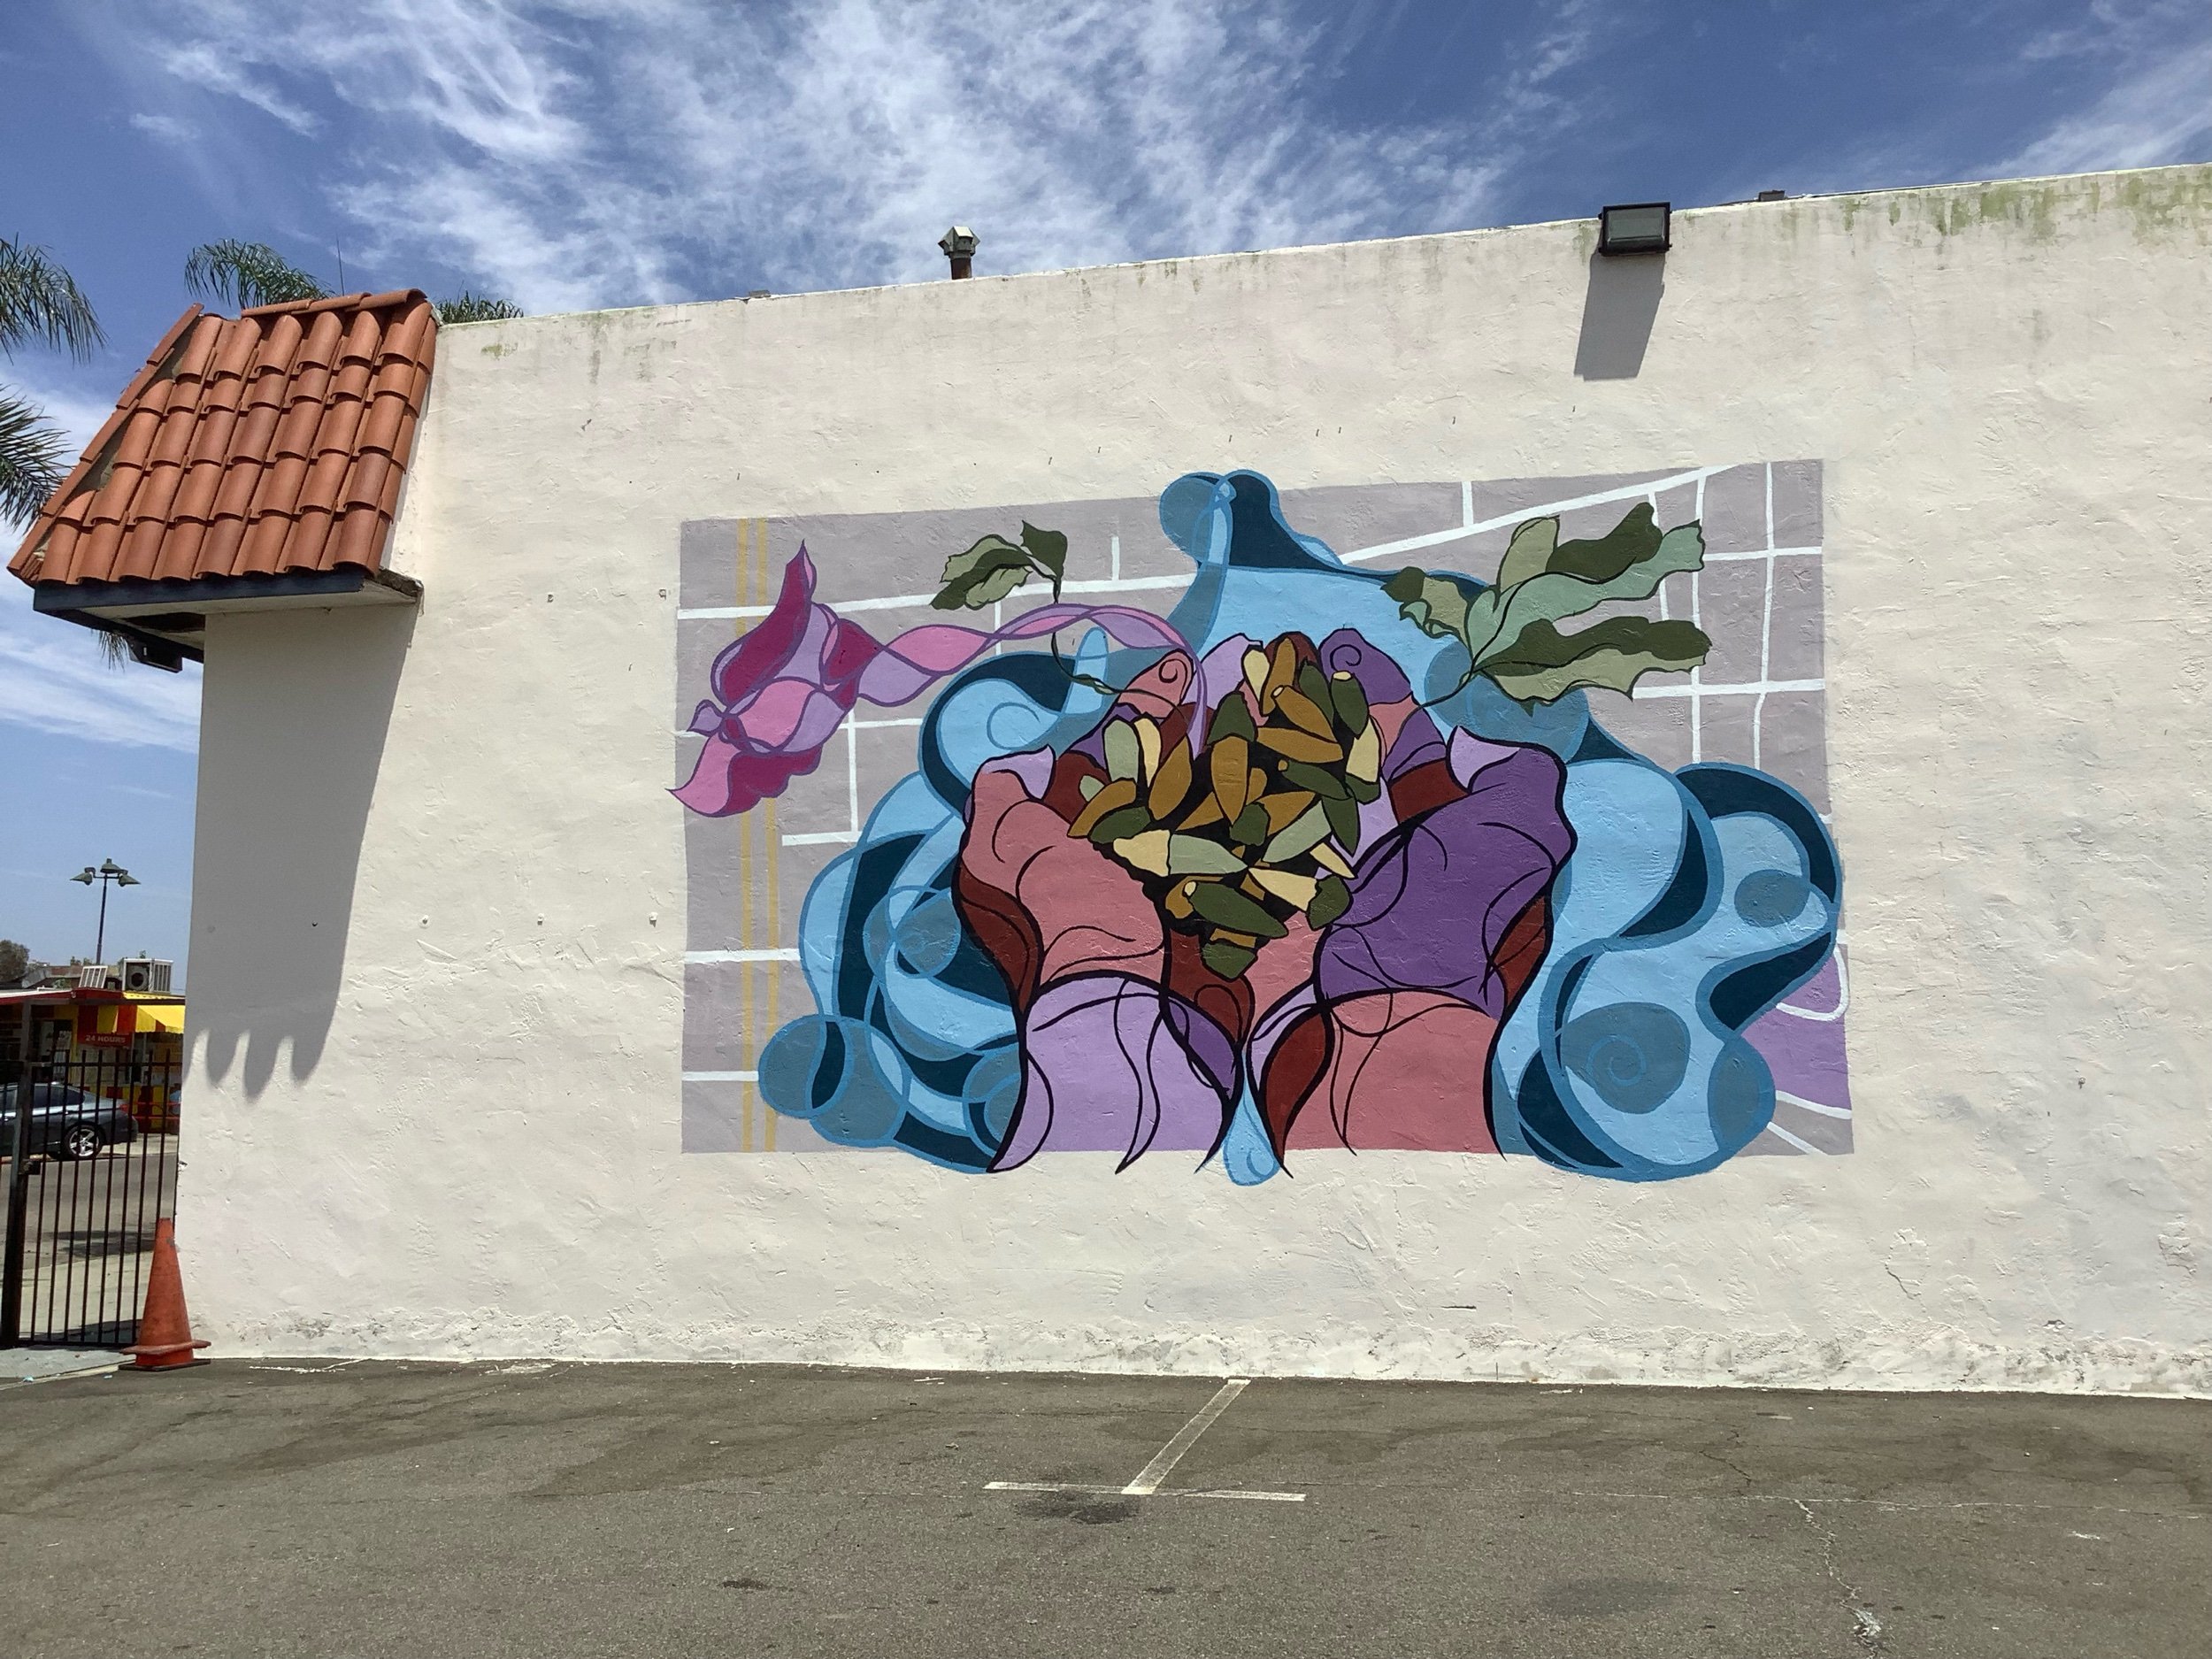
1543,664
1434,604
1350,704
1125,755
1195,855
1120,825
1343,823
1330,899
1047,551
1226,959
1636,563
1225,907
1635,539
983,575
1529,553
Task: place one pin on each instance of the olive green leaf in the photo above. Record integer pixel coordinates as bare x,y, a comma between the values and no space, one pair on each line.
1530,552
1233,719
1351,703
1047,551
1195,855
994,567
1624,567
1313,780
986,573
1543,664
1124,754
1330,899
1435,604
1226,959
1225,907
1343,823
1629,542
1130,820
1311,828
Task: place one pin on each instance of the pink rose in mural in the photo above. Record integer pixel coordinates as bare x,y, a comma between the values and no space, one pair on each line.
781,690
1272,867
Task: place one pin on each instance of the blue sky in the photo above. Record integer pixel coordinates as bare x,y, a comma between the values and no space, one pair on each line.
620,152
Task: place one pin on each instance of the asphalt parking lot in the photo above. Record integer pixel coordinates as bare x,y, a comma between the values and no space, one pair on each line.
315,1507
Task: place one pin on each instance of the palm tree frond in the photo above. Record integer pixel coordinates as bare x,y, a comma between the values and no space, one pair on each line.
39,301
34,458
465,307
247,274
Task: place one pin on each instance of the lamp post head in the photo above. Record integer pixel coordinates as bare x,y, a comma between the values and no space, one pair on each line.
109,867
126,879
87,875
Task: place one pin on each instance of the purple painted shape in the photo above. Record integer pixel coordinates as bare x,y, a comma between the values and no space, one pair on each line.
781,690
1431,900
1115,1064
1345,652
1418,742
1032,769
1807,1055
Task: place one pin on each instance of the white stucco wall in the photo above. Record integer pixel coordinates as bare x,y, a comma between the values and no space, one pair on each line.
433,1103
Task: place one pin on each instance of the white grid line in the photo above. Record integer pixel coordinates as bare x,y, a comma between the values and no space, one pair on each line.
1802,1104
1766,629
1697,674
1780,1133
1843,993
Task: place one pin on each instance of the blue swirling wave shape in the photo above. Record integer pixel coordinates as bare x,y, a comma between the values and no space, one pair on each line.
1693,902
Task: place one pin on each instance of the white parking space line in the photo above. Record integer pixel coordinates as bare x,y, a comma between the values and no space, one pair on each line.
1152,1474
1148,1483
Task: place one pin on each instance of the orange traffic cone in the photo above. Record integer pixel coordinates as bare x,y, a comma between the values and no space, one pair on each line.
165,1330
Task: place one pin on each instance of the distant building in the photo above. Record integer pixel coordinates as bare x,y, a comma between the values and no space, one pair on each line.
115,1029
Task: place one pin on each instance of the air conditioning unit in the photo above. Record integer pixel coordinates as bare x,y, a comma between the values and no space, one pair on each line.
145,974
92,976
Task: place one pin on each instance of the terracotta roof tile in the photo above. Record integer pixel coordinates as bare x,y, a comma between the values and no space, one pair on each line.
274,441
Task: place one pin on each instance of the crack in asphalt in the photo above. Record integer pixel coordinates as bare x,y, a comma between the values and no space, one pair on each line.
1865,1626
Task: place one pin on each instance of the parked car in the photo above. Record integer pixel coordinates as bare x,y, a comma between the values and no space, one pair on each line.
65,1122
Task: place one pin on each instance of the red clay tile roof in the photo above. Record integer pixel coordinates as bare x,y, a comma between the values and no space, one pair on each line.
273,441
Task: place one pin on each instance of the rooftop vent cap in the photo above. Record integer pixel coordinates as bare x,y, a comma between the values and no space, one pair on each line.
1634,227
959,244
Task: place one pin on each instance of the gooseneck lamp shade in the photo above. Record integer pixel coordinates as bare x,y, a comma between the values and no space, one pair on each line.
1635,228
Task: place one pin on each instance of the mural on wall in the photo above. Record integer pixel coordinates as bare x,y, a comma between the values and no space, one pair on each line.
1324,857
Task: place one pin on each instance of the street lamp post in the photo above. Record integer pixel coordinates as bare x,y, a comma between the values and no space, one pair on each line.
109,871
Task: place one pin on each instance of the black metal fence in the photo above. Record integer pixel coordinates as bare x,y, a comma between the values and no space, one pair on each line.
88,1144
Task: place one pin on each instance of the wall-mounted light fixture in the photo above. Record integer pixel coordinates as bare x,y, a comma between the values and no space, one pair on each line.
959,245
1635,228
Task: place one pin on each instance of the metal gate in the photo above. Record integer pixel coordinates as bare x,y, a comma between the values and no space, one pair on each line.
90,1138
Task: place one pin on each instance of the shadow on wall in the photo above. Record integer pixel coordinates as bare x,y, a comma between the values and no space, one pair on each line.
294,706
1617,313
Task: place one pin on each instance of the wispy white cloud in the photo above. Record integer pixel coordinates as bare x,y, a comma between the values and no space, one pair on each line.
168,128
582,153
2157,109
205,66
52,675
53,680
